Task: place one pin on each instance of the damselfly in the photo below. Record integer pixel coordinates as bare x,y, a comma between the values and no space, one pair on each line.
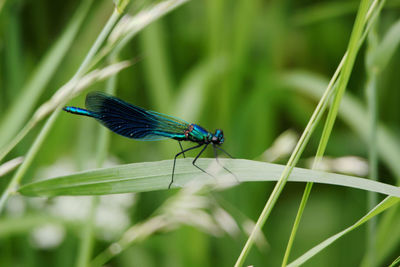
138,123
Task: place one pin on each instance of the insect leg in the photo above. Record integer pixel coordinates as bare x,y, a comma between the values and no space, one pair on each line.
173,167
182,149
226,153
216,158
198,155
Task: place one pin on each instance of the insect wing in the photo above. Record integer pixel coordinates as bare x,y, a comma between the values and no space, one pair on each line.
133,121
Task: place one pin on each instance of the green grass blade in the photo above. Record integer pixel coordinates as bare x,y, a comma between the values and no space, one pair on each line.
371,88
384,205
386,48
22,107
87,236
395,263
354,46
161,9
350,56
58,99
307,190
151,176
379,55
351,112
10,165
61,97
128,27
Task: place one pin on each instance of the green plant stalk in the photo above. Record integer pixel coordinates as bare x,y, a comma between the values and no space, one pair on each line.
116,46
87,240
342,83
355,44
115,17
62,96
386,237
315,118
353,48
371,93
10,165
134,234
21,134
307,190
382,206
22,106
112,21
86,247
95,58
395,262
16,179
82,69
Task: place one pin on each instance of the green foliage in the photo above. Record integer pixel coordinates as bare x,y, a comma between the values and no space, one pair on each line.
253,68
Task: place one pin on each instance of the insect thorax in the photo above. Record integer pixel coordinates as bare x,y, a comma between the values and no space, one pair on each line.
197,134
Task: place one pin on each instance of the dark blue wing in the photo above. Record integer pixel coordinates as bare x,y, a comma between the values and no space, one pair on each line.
132,121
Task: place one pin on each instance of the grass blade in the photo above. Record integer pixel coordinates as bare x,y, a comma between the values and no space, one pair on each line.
352,113
384,205
10,165
350,57
395,262
151,176
22,107
63,95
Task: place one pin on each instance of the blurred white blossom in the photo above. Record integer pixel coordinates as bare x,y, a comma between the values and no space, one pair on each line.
112,215
47,236
351,165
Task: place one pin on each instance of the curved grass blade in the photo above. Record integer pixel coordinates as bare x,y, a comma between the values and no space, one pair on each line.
395,263
151,176
21,107
10,165
352,112
384,205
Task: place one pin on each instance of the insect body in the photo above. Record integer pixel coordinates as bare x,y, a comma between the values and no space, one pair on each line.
135,122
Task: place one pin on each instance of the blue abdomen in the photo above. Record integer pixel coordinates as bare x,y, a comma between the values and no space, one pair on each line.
80,111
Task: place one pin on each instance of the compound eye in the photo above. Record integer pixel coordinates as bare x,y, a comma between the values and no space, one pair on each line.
219,133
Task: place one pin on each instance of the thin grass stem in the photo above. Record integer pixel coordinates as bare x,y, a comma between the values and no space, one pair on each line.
342,83
86,248
16,179
371,93
324,139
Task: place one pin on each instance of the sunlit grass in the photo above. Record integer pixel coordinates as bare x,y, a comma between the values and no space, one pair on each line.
240,67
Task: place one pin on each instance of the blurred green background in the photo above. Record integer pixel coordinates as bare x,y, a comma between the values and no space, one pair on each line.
221,64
